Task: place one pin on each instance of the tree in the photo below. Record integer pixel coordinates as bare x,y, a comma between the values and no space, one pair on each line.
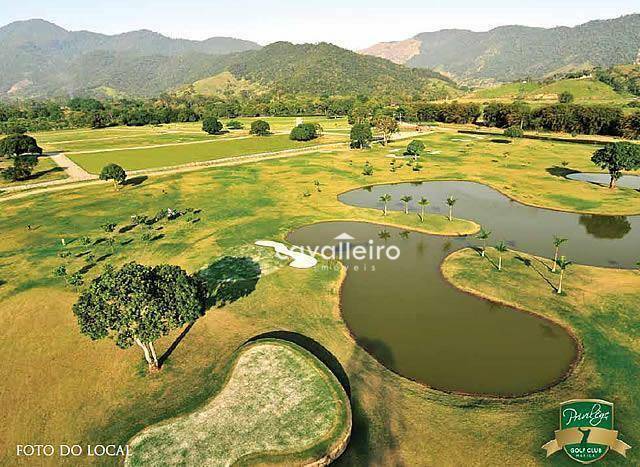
235,125
406,199
451,201
387,125
384,199
565,97
501,248
260,128
304,132
137,304
557,242
414,148
616,157
316,183
113,172
18,144
22,168
361,136
484,236
211,125
423,203
563,264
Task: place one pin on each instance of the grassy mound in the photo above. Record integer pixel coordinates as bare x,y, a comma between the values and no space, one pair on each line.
278,404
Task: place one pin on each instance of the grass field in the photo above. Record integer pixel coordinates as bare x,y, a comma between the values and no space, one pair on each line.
45,171
279,404
60,387
167,156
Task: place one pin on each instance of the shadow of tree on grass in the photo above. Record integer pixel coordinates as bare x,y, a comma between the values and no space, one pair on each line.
229,279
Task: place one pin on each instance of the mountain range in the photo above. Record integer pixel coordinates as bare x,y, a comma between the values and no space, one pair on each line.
510,53
39,59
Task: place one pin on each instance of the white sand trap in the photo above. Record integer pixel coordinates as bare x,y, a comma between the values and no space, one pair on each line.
434,152
300,260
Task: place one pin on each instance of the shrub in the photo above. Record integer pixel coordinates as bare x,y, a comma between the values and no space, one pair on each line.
368,169
260,128
514,132
235,125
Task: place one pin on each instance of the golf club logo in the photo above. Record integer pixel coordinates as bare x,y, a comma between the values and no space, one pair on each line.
586,431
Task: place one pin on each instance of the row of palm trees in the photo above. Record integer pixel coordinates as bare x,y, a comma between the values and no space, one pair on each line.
559,262
423,203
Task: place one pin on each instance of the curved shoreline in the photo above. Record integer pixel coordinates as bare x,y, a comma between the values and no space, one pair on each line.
569,372
499,190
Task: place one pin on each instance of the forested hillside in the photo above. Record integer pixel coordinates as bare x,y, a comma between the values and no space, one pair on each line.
509,53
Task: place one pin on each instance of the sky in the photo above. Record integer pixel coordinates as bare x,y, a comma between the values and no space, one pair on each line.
353,24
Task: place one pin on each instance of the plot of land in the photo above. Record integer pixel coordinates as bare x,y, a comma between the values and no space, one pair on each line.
279,404
45,171
167,156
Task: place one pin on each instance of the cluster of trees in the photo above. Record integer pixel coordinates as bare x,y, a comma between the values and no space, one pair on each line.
569,118
454,112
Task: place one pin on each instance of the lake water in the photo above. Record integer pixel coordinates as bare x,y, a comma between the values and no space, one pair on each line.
407,316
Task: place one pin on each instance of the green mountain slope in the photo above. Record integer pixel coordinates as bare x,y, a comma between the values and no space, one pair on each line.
327,69
515,52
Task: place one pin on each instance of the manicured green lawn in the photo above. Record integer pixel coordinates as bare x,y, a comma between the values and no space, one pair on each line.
61,387
279,404
146,158
45,171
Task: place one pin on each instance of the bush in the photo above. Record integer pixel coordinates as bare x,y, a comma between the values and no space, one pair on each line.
514,132
565,97
304,132
211,125
235,125
414,148
260,128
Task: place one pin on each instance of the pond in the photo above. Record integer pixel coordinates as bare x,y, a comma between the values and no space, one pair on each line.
407,316
626,181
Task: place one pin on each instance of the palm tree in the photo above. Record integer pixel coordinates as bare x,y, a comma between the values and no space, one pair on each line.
406,199
562,264
384,235
424,202
384,199
501,248
557,242
450,202
484,236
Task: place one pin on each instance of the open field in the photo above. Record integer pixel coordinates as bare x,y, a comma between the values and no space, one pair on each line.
167,156
60,387
45,171
278,404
